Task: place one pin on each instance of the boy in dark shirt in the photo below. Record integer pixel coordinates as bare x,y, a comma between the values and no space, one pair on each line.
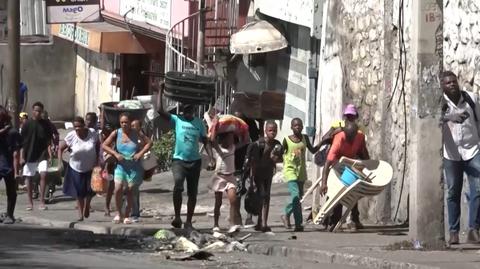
37,138
10,144
262,157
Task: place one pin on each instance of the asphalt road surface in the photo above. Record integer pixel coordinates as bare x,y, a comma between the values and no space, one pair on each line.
31,247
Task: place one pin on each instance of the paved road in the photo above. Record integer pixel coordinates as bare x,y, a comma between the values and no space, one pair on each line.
34,247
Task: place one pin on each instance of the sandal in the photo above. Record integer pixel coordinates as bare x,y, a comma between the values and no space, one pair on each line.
127,221
286,222
43,207
29,208
117,219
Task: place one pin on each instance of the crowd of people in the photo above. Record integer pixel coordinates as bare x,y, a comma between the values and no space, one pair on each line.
27,152
118,153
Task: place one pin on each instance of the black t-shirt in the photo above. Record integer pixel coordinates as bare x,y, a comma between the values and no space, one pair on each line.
36,135
9,142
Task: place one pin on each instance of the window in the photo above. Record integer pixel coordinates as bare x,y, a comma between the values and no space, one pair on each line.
33,27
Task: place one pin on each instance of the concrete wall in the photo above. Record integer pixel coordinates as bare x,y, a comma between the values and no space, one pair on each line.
93,81
49,72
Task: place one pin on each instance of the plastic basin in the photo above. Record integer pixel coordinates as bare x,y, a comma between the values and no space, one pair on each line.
111,113
348,177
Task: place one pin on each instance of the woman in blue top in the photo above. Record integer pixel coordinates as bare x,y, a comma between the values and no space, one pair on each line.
129,171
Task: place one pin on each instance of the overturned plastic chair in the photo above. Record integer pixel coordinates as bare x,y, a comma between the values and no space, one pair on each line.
379,173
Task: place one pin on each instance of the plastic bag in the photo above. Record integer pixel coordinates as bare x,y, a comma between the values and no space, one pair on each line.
253,202
98,183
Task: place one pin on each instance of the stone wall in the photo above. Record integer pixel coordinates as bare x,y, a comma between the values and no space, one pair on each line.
362,38
462,41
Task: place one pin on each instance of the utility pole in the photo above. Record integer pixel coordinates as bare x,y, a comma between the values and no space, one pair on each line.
13,64
426,185
201,36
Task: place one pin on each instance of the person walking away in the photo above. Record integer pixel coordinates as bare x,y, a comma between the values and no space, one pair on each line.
187,162
460,127
262,158
37,138
351,144
295,172
10,145
84,146
224,181
128,172
108,163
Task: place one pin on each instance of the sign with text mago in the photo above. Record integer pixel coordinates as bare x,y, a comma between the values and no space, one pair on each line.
73,11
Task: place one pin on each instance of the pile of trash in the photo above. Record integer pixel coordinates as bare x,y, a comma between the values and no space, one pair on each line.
195,245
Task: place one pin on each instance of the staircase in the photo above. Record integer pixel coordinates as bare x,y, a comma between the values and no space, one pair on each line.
181,43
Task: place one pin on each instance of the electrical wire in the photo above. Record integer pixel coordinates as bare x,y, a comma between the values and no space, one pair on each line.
401,72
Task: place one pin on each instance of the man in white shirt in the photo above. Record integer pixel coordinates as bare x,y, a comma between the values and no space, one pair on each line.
461,139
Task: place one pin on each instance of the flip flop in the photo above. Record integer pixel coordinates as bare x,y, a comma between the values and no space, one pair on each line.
29,208
43,207
286,222
117,219
127,221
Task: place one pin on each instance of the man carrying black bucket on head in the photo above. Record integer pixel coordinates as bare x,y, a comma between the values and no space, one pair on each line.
351,144
187,161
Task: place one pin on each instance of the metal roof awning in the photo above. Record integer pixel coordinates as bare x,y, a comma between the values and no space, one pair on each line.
103,37
257,37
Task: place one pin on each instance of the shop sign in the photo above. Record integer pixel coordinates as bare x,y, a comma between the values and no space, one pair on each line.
76,34
154,12
73,11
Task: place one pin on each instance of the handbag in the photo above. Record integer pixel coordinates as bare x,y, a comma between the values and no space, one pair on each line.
149,161
98,183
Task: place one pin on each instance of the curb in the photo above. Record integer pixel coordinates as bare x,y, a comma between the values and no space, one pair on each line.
332,257
259,249
96,229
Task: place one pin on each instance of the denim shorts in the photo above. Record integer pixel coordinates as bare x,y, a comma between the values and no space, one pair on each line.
186,170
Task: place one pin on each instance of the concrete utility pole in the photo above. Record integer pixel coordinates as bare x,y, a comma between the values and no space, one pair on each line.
13,64
201,36
426,185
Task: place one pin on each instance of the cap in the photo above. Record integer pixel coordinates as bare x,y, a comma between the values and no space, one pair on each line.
350,109
23,114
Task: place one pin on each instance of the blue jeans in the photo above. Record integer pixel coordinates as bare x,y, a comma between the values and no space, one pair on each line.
454,177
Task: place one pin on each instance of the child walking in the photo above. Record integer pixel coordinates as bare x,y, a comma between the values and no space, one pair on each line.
295,172
262,158
225,181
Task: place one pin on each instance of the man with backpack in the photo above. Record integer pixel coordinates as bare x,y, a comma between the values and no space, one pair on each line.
460,154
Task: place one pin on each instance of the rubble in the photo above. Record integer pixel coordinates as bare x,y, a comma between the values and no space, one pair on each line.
194,245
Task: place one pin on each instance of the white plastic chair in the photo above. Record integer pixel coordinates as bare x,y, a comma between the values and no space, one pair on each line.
379,172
